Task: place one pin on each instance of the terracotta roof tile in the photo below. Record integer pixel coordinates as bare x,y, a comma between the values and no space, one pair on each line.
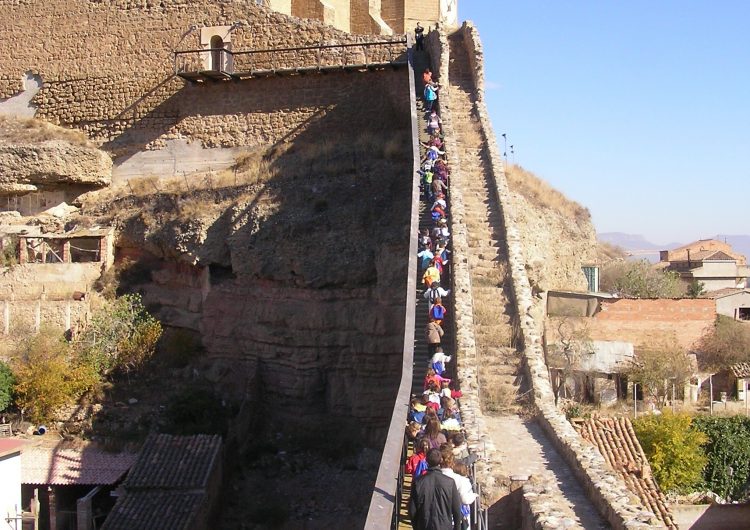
741,370
175,462
87,465
616,440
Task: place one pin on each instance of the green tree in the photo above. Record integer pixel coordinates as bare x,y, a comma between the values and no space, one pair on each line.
727,343
674,449
7,381
122,335
695,289
659,365
728,451
48,376
639,279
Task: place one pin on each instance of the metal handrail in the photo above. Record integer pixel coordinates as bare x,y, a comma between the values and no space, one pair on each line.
294,48
230,59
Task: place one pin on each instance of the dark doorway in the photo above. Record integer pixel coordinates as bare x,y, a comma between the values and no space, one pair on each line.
217,53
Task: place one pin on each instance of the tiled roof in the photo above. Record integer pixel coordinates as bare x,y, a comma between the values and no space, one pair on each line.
88,465
616,440
175,462
741,370
163,510
721,293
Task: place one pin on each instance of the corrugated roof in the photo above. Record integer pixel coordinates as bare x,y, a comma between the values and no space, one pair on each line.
175,462
88,465
162,510
616,441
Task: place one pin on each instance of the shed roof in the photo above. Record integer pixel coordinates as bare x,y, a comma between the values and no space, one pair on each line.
165,510
8,446
616,440
88,465
175,462
741,370
723,293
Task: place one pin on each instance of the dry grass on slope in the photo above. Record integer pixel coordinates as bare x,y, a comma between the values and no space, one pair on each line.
30,130
542,194
606,252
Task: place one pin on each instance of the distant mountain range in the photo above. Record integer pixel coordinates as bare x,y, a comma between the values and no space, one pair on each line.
643,248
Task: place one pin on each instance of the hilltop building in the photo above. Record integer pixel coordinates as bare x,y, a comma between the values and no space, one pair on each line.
378,17
711,262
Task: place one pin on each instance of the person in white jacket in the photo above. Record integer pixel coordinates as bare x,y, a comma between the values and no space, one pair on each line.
462,483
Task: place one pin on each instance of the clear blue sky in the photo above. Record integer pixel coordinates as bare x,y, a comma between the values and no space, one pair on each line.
639,110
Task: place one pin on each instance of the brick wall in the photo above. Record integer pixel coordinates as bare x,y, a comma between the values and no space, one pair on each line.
648,321
110,72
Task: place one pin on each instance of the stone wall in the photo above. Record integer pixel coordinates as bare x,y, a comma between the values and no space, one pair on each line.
111,75
23,316
610,495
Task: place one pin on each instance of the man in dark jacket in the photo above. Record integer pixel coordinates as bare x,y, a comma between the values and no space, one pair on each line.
435,503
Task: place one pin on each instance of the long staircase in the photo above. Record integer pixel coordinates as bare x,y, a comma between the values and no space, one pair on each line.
524,448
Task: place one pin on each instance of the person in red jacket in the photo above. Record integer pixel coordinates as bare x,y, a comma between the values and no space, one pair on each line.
416,462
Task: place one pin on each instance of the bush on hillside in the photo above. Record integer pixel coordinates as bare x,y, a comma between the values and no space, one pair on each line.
728,466
7,380
122,336
48,376
639,279
674,448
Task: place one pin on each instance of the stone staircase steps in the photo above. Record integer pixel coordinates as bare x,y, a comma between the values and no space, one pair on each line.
525,448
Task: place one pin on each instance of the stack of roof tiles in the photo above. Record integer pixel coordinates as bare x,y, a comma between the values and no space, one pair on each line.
616,440
167,488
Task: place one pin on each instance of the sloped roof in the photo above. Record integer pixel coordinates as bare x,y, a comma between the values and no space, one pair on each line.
8,446
741,370
165,510
723,293
88,465
175,462
616,441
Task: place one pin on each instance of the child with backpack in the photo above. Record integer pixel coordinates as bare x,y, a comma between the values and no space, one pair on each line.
438,311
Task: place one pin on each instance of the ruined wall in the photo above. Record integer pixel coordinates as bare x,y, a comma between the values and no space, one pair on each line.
110,72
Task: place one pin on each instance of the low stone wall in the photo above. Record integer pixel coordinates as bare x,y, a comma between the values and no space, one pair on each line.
31,315
609,494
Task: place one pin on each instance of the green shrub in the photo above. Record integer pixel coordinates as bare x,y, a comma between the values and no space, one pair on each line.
48,376
674,448
728,451
7,380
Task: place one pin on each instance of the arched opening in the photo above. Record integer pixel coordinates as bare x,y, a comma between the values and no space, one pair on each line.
217,53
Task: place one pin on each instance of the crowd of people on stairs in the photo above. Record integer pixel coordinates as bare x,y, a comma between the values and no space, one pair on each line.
441,491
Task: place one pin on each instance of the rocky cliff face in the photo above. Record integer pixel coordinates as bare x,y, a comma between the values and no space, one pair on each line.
296,283
36,155
558,235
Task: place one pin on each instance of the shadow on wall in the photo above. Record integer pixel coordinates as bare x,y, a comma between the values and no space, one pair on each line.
307,271
246,113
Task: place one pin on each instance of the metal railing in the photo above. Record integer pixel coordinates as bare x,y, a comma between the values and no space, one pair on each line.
319,57
386,496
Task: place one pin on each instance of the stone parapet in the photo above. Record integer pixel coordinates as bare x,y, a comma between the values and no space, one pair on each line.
466,349
621,508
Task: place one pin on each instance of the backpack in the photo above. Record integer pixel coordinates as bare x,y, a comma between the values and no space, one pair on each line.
437,312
